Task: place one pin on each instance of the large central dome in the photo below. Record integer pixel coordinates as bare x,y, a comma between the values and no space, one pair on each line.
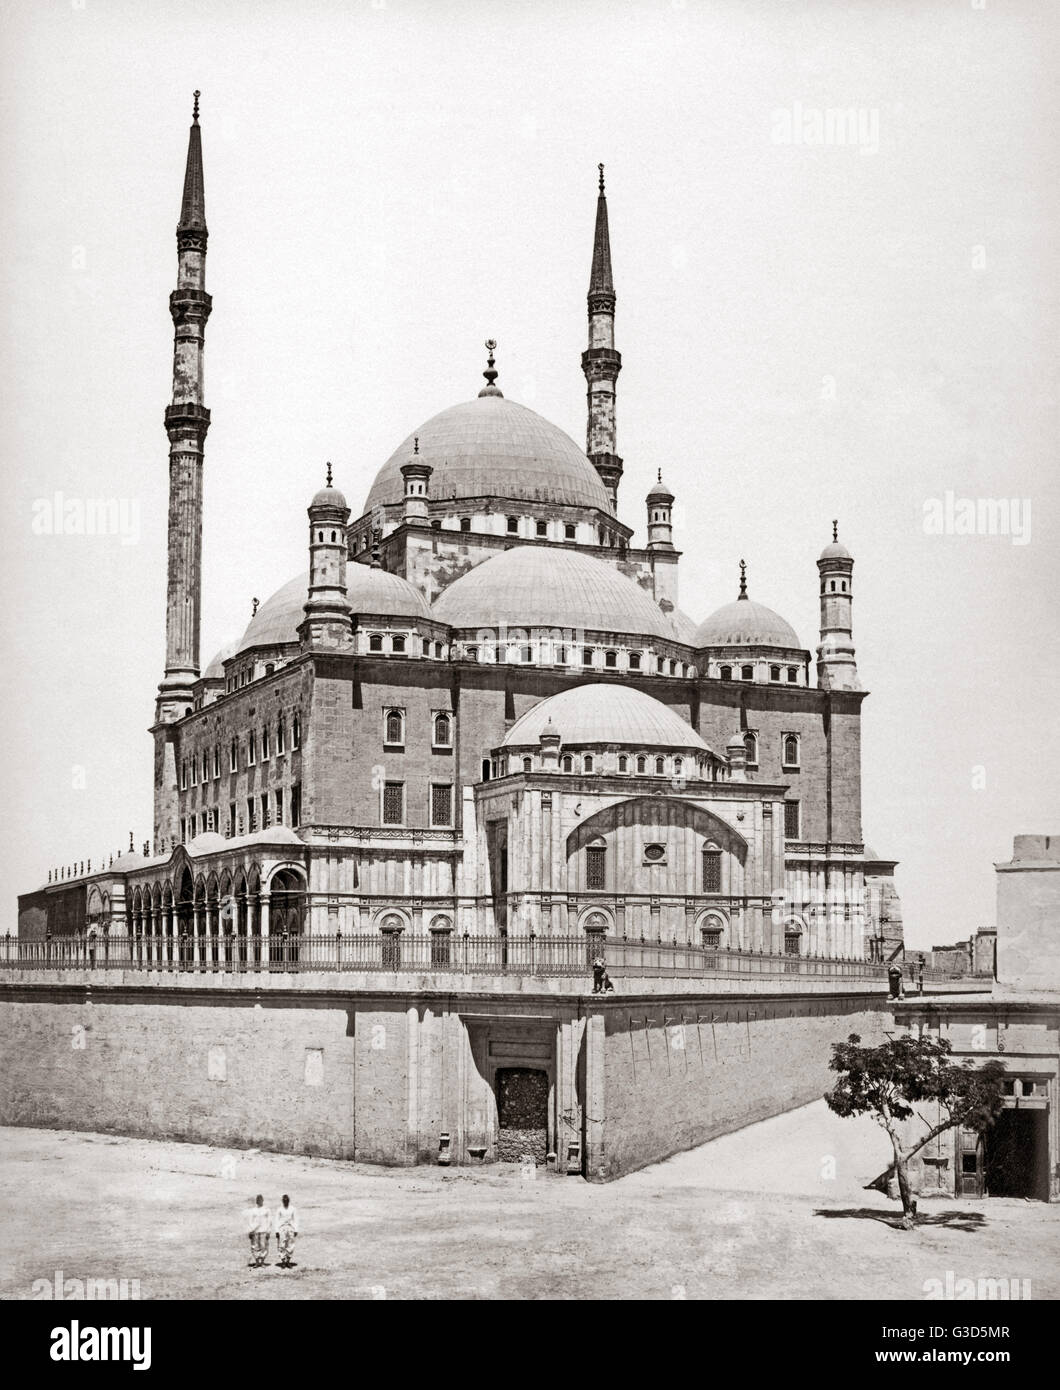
492,447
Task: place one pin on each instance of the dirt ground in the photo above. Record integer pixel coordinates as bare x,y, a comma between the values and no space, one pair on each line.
774,1211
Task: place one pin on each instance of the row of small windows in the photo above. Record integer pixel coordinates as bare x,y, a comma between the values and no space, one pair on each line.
198,768
789,749
747,673
394,728
256,813
560,654
643,764
399,645
842,586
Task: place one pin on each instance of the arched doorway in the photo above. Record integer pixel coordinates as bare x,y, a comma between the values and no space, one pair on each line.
286,915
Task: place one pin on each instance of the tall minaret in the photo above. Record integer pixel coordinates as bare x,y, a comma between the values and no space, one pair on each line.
187,421
600,362
836,664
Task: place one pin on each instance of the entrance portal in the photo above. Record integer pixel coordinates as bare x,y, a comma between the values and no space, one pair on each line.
522,1114
1017,1154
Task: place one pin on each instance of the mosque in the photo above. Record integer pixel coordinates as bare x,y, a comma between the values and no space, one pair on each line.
481,723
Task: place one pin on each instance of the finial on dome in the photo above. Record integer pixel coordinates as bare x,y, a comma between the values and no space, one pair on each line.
601,168
416,445
253,607
743,579
195,108
658,476
329,474
490,389
835,531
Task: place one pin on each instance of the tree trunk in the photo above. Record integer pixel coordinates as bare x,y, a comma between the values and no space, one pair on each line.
901,1168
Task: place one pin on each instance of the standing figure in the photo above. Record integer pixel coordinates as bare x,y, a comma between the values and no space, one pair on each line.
259,1225
286,1230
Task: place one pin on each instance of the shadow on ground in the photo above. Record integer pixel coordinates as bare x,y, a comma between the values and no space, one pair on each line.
951,1220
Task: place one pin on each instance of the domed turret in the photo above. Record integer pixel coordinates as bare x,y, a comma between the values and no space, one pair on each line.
327,611
660,517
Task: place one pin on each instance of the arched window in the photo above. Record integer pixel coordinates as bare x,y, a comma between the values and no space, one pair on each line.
513,526
660,767
542,529
567,763
375,642
791,750
569,531
679,767
587,656
747,673
833,587
528,764
673,666
443,731
465,523
587,763
527,654
774,673
296,729
642,764
623,763
793,674
252,748
265,743
397,643
751,744
394,728
725,673
281,735
438,650
634,661
611,660
485,769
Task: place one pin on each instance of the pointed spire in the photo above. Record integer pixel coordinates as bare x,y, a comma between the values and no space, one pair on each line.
743,579
491,389
600,281
193,203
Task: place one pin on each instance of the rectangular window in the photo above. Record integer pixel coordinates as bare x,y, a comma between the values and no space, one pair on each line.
194,771
205,766
280,742
296,730
441,804
440,952
391,950
595,867
183,830
279,807
296,804
587,656
216,761
265,744
712,871
233,757
393,803
264,810
231,818
791,820
252,748
252,824
204,822
184,775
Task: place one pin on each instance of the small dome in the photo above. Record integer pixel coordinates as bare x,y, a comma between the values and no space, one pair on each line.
531,586
368,589
329,497
216,669
659,492
835,551
493,447
601,713
127,861
209,842
743,623
737,739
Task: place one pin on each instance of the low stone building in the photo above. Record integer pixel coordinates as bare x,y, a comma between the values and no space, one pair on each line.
1018,1023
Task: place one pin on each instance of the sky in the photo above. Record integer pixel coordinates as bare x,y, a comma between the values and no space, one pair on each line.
818,317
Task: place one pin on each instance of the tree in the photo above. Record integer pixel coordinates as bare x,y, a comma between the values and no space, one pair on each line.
889,1080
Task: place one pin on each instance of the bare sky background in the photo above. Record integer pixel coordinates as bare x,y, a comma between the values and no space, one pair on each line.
807,332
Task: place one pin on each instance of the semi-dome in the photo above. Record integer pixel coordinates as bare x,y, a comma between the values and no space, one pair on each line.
744,623
602,713
369,590
216,669
493,447
543,586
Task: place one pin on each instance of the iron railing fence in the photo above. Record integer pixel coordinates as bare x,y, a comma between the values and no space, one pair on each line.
445,952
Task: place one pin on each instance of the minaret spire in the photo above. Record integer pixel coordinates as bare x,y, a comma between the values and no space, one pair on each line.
600,362
187,421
